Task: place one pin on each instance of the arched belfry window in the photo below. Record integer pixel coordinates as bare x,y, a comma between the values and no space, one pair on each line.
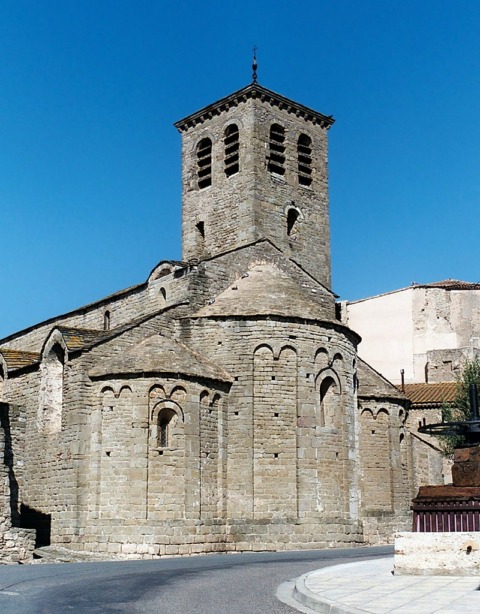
164,426
204,163
304,153
276,157
232,145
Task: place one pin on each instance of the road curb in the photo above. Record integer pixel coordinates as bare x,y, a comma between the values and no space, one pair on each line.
316,603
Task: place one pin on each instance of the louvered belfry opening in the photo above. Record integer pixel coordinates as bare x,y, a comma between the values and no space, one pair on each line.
232,147
276,158
204,163
304,150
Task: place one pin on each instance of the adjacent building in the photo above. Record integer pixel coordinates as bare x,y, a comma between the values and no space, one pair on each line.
422,333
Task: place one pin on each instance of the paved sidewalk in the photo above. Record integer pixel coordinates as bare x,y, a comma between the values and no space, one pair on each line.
369,586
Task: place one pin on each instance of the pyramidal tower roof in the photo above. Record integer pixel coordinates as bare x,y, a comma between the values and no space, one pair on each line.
254,90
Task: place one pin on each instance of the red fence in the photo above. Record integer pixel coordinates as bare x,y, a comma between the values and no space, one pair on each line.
446,508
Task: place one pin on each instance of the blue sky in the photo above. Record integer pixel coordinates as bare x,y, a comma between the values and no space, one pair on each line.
90,161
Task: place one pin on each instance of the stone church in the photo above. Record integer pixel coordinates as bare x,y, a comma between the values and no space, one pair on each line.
219,405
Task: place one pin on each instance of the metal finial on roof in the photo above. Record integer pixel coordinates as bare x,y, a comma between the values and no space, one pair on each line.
254,65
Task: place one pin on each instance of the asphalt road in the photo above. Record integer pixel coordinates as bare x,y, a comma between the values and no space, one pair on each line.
217,584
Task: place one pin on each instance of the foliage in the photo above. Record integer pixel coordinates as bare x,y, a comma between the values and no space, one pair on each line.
459,409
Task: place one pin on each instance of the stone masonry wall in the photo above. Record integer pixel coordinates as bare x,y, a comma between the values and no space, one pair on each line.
218,273
16,544
431,467
274,421
384,457
158,294
254,203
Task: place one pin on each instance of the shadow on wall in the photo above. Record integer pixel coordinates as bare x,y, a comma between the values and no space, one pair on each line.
42,523
26,517
9,463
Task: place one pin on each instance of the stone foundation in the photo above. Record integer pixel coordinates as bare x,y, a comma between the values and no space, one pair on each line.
177,538
379,529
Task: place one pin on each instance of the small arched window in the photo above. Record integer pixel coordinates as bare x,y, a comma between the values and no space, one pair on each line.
51,390
304,154
329,402
106,320
276,157
204,163
232,145
292,217
164,426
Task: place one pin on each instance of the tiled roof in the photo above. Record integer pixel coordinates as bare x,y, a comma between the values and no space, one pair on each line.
81,309
274,292
371,383
161,354
451,284
433,395
16,359
78,338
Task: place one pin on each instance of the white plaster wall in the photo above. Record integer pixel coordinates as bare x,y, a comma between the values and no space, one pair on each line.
385,324
399,329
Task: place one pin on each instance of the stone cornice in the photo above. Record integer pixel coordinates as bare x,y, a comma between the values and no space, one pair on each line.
258,92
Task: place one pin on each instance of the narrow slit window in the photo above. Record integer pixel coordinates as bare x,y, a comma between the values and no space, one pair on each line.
200,226
2,382
165,423
106,320
292,217
232,147
276,156
204,163
304,151
163,434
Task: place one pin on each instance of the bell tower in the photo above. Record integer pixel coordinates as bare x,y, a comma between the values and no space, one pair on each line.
254,166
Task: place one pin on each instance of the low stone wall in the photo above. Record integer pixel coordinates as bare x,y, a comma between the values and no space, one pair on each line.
17,545
437,554
380,528
174,538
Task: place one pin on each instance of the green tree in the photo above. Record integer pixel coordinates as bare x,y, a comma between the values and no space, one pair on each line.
459,409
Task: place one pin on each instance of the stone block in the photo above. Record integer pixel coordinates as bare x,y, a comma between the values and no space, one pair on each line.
437,554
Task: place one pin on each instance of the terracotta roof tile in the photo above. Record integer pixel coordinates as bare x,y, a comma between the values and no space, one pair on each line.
430,394
451,284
